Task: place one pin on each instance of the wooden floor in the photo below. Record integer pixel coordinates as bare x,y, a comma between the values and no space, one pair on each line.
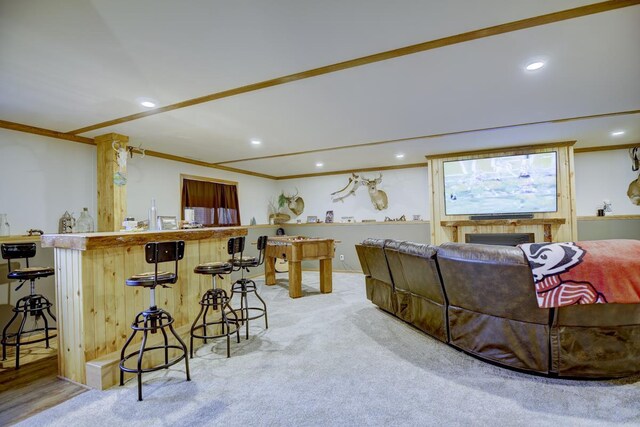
32,389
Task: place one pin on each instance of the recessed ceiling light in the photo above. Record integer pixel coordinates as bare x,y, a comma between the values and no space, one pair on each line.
319,164
534,66
617,133
256,142
399,156
148,104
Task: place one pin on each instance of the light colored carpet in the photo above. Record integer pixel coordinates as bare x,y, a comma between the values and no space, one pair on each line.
336,359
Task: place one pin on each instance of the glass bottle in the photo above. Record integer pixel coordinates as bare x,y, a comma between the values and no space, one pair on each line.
4,225
153,216
84,224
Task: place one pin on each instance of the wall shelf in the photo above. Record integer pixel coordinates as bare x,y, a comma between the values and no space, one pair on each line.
489,222
609,217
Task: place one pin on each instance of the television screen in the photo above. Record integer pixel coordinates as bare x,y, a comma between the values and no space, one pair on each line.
501,185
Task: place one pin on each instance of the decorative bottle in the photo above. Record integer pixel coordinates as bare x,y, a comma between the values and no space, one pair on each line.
85,222
153,216
4,225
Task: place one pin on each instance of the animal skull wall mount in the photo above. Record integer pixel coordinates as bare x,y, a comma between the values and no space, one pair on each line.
634,187
378,197
294,202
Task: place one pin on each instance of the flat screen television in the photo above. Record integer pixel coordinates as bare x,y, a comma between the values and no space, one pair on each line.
501,185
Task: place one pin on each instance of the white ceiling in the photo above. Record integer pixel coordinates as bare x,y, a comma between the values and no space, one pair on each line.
67,65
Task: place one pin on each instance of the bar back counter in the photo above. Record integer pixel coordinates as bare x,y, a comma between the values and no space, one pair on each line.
94,306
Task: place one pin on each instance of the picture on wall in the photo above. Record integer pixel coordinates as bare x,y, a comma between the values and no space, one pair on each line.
329,217
312,218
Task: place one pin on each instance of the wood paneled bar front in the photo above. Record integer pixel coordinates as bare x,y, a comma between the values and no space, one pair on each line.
94,306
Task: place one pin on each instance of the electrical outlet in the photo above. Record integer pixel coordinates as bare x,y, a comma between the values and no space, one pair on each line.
341,257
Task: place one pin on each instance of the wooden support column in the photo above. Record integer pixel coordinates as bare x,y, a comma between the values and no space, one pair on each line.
112,199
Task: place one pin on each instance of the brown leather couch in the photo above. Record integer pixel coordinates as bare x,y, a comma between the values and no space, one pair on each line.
482,298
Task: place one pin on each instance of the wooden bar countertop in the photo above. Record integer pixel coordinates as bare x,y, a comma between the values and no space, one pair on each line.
116,239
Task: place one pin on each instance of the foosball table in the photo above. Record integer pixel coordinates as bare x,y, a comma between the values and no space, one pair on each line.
295,249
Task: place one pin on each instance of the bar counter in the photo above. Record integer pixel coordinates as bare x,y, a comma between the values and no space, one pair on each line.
94,306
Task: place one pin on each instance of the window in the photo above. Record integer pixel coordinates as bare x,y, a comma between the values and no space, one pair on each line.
214,202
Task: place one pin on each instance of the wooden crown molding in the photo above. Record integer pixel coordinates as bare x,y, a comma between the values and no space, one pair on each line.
606,148
45,132
90,141
184,176
378,57
501,150
348,171
435,135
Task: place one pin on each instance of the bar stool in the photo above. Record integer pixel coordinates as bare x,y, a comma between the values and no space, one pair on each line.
32,305
154,318
214,299
244,286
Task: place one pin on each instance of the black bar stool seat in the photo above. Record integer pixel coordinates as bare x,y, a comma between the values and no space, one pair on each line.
217,267
29,273
150,279
154,319
31,306
215,299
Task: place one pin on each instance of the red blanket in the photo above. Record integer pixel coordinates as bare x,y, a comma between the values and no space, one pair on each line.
602,271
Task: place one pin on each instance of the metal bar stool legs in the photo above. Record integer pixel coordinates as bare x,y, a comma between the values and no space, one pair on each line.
154,318
244,287
34,306
150,321
215,299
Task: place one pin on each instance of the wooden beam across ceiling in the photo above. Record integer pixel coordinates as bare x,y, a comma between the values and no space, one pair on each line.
45,132
435,135
378,57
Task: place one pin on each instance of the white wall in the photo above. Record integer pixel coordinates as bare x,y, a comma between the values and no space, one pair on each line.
42,177
407,191
151,177
604,175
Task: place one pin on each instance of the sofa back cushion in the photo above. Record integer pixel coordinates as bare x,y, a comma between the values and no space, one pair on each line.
490,279
414,269
373,259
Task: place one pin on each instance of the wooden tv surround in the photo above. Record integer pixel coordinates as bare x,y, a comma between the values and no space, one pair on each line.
559,226
94,306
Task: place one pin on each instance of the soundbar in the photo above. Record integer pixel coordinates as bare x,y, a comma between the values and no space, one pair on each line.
501,216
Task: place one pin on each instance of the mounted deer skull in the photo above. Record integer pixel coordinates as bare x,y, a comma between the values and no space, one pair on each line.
294,202
634,187
378,197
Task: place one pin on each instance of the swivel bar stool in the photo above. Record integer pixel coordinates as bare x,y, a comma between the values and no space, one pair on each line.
33,305
244,286
154,318
214,299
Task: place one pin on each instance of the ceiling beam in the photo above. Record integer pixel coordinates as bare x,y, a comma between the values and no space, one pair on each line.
378,57
435,135
347,171
45,132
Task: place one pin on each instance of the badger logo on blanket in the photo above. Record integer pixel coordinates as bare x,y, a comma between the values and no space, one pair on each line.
548,261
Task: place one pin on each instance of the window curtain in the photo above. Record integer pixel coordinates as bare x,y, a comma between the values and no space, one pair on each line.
214,204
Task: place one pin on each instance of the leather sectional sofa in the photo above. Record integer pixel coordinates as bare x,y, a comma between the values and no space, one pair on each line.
481,299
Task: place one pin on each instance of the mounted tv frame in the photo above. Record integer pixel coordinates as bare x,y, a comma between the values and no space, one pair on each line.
501,187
